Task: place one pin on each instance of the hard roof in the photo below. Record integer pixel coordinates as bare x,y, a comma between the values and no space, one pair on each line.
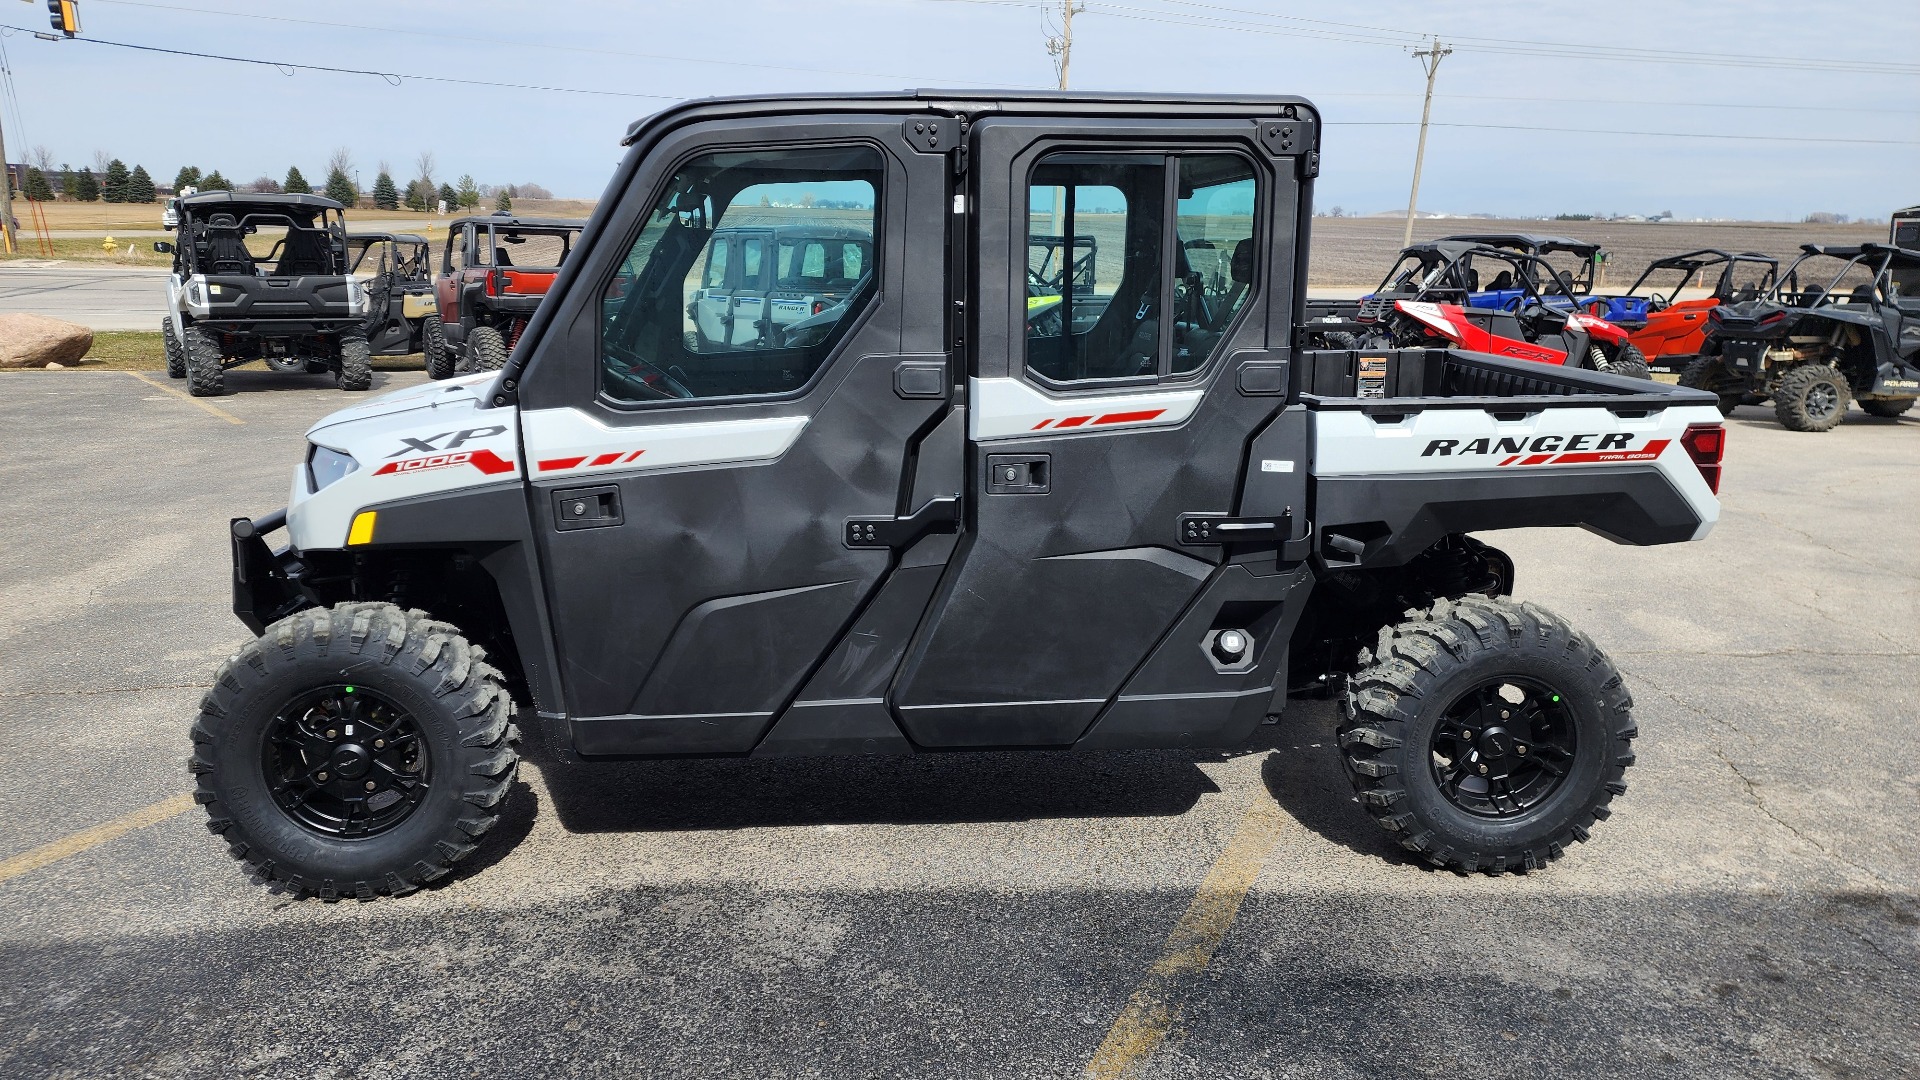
1004,101
249,198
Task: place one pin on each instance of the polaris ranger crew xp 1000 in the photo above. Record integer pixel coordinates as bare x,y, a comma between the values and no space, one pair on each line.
932,523
263,277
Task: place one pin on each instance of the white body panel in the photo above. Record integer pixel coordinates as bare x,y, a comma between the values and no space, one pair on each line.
1010,409
1351,443
569,442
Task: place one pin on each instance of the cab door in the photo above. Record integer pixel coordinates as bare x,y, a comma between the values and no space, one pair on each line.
713,512
1098,417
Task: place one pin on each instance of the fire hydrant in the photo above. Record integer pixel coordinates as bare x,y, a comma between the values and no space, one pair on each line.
107,245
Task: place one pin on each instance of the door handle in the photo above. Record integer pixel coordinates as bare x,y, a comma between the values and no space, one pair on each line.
1019,474
937,516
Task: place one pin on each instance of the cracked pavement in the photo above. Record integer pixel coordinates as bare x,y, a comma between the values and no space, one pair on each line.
1751,909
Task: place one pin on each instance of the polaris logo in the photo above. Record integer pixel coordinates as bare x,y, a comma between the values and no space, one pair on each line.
1539,444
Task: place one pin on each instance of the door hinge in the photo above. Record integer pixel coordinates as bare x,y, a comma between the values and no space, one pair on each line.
937,516
1203,530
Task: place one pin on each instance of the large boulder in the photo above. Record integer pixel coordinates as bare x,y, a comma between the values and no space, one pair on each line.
36,341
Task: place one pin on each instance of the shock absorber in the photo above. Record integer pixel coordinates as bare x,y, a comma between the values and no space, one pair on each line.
519,327
1598,358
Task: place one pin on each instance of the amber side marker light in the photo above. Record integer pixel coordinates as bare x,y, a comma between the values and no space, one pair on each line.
1706,444
362,530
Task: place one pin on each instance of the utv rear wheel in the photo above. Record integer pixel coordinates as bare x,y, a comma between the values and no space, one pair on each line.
1812,397
433,343
356,363
354,751
1705,373
1888,407
486,348
176,356
206,368
1631,362
1486,734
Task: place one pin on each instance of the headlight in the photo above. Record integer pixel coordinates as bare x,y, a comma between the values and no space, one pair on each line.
324,466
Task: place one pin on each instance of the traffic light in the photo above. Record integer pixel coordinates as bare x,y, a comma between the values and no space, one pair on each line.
65,16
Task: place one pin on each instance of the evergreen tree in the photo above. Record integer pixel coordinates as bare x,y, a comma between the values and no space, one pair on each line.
114,187
468,193
83,186
416,198
188,176
213,181
295,184
340,189
35,187
448,195
504,201
385,196
140,186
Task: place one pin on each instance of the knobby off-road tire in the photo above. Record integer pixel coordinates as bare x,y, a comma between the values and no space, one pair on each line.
433,344
1812,397
1631,362
176,356
1887,407
206,371
1426,674
459,713
486,349
1701,374
356,363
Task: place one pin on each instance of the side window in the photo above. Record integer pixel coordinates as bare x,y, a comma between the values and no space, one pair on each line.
1118,291
675,327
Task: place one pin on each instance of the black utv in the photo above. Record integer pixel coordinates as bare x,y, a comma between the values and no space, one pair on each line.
1842,324
263,277
396,273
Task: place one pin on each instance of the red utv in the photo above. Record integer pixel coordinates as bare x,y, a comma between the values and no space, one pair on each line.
1667,327
494,272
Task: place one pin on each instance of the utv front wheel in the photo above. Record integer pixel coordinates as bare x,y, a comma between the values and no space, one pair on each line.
1631,362
1705,373
433,343
1812,397
356,363
206,367
487,348
176,356
354,751
1487,734
1888,407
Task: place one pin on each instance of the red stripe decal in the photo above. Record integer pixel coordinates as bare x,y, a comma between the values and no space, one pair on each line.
605,459
1073,421
1537,459
486,461
1129,417
1040,425
1511,460
635,454
551,464
1646,453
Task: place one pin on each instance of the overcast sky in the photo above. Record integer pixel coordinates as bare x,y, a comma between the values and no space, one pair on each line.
1566,70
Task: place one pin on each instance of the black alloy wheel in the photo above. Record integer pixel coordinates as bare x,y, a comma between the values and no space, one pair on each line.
1822,401
1503,747
346,762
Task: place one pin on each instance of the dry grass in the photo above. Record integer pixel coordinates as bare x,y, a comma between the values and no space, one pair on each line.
142,350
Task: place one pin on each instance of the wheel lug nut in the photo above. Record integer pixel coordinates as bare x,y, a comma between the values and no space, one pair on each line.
332,734
1519,749
322,776
369,785
1504,714
1483,770
379,744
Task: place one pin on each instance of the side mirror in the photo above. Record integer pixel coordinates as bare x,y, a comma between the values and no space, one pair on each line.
164,247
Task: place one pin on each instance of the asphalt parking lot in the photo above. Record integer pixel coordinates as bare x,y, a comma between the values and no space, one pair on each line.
1752,909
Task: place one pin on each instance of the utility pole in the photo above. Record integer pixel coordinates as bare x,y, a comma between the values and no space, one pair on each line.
6,200
1060,47
1429,59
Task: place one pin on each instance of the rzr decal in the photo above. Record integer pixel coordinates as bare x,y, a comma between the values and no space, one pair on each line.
618,457
486,461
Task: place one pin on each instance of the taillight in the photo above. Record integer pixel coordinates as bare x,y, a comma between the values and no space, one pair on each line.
1706,444
819,306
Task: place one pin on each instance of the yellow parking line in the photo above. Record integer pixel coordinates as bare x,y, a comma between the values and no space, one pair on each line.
48,854
190,399
1150,1013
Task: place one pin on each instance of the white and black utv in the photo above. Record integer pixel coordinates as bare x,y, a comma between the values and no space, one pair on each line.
263,277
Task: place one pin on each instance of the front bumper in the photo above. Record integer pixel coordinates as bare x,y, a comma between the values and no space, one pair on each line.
266,583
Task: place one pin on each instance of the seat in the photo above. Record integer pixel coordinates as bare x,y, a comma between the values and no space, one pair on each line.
500,256
227,253
306,254
1502,281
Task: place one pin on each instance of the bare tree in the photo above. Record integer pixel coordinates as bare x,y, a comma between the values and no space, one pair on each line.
342,160
100,160
424,163
41,158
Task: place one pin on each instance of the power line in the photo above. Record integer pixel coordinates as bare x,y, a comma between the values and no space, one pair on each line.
1770,107
442,36
1539,129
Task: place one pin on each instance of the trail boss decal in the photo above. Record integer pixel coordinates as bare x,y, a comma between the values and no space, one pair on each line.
1583,449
